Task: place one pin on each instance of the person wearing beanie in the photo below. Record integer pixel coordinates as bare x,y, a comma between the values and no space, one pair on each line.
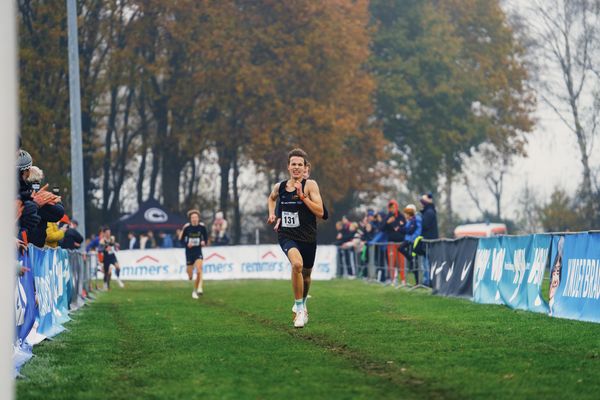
395,229
430,225
413,230
430,230
49,207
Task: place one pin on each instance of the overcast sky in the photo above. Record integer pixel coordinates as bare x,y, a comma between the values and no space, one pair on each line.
553,158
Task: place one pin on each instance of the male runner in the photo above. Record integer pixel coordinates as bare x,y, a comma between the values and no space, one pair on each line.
108,246
193,236
300,203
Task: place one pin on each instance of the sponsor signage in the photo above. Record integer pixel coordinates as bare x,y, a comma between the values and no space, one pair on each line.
223,262
451,267
575,277
510,270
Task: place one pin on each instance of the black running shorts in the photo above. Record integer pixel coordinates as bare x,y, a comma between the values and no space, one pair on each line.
192,256
307,250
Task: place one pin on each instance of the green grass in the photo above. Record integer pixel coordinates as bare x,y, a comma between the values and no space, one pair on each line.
364,341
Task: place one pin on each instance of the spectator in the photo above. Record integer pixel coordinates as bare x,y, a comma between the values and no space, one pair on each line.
54,234
144,241
49,208
219,230
177,243
430,231
430,225
94,241
72,239
395,229
151,243
166,241
133,241
413,230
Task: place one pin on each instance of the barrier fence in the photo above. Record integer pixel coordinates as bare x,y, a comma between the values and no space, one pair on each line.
389,263
506,270
55,283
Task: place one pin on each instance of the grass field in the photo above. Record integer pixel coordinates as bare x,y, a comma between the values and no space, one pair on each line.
364,341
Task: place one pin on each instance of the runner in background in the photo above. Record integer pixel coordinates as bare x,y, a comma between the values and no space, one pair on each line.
193,236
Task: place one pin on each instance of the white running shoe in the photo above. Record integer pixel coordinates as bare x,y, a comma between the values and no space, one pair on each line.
194,295
200,291
120,282
305,313
299,320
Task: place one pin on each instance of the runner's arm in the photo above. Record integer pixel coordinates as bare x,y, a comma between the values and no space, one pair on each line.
204,234
271,202
313,198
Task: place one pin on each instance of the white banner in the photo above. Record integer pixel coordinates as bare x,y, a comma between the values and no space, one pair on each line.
226,262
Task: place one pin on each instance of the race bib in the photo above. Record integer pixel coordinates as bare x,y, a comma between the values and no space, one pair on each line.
290,219
194,241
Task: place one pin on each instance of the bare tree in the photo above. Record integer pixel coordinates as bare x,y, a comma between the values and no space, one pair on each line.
487,168
567,34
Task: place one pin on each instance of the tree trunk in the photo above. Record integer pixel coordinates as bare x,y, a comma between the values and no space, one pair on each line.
107,153
154,172
237,219
144,132
122,160
449,225
225,166
171,172
190,194
159,110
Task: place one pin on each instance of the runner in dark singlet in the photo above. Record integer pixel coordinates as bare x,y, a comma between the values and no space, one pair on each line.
300,202
193,236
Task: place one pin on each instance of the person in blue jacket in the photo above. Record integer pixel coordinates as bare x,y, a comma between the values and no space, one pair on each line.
414,227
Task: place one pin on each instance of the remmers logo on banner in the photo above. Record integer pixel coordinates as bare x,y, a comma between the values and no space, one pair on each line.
268,263
216,263
145,266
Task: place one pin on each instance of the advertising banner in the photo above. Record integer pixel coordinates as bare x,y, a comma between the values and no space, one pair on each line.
451,267
24,300
575,277
220,263
510,271
44,278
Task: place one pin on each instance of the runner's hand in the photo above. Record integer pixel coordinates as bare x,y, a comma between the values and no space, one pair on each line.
272,218
298,187
276,227
203,243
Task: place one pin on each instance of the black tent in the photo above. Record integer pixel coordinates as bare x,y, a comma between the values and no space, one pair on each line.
150,217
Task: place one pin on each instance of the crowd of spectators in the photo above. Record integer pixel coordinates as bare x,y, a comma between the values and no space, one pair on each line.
164,239
390,240
41,218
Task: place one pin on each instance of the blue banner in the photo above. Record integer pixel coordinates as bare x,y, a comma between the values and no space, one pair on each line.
575,281
42,262
61,303
510,270
25,313
25,310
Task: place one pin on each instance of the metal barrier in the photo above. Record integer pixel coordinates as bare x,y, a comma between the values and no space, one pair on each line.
387,263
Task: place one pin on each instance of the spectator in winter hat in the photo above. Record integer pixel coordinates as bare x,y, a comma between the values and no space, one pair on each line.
430,225
49,207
